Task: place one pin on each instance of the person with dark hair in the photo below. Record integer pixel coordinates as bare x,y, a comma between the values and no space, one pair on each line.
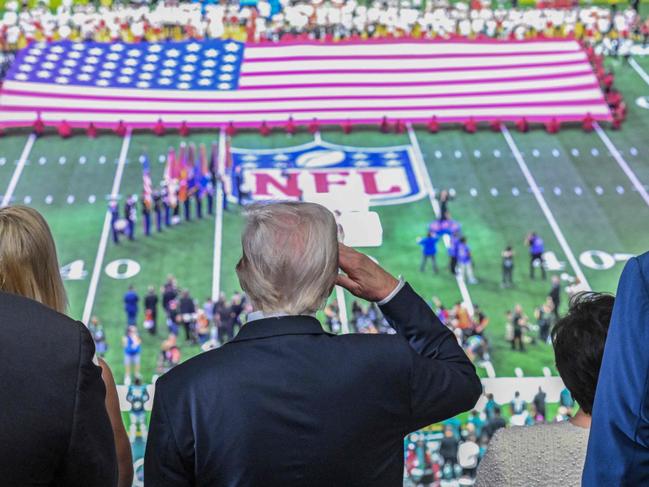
428,251
508,266
537,247
495,423
131,300
553,453
448,447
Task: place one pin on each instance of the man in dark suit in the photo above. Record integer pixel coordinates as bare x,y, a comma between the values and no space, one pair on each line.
287,404
54,428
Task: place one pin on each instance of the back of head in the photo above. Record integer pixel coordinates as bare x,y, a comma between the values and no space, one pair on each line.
578,339
290,257
28,262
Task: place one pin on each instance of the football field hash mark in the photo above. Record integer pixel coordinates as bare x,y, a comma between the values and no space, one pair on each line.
544,207
623,164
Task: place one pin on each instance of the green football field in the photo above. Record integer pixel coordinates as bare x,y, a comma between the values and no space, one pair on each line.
581,197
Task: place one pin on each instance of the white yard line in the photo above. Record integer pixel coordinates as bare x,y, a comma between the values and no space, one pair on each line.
638,69
105,232
642,191
6,199
218,223
430,191
544,207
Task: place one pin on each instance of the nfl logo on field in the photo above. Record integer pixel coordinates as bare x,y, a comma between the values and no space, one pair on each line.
386,175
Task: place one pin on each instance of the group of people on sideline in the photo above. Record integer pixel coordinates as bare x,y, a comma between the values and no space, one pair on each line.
312,401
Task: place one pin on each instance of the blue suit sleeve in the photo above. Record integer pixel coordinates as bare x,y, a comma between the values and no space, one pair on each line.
618,446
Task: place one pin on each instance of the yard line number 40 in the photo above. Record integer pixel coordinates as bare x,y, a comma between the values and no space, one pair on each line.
117,269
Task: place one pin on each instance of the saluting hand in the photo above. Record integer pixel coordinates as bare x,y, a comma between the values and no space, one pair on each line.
364,278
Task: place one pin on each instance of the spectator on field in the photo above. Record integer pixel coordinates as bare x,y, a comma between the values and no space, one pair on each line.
477,422
468,456
519,326
545,318
444,199
452,252
169,292
60,423
187,310
495,423
280,366
566,400
428,251
537,247
539,402
517,405
479,319
618,449
131,300
419,465
554,453
173,318
137,396
508,267
98,336
132,352
202,327
490,407
151,310
448,447
465,261
170,354
555,295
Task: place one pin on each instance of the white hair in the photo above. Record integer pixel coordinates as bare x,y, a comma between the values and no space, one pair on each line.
290,257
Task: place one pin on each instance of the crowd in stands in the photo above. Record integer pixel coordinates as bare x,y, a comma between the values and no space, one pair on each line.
166,20
448,454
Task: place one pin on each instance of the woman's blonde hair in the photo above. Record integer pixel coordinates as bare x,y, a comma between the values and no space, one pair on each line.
28,263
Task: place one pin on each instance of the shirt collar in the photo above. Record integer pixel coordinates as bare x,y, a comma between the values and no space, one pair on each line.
279,325
260,315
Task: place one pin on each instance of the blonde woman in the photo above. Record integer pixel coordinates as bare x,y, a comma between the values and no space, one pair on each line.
29,268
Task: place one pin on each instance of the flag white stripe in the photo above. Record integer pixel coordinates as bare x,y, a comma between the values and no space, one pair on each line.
320,79
393,65
355,103
335,82
399,48
111,93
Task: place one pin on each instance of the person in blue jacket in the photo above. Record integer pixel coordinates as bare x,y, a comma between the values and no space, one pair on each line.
618,446
131,300
428,251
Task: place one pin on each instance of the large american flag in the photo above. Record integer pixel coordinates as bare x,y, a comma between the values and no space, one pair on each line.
214,82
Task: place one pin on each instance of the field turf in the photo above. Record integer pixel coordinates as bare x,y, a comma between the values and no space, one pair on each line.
593,202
